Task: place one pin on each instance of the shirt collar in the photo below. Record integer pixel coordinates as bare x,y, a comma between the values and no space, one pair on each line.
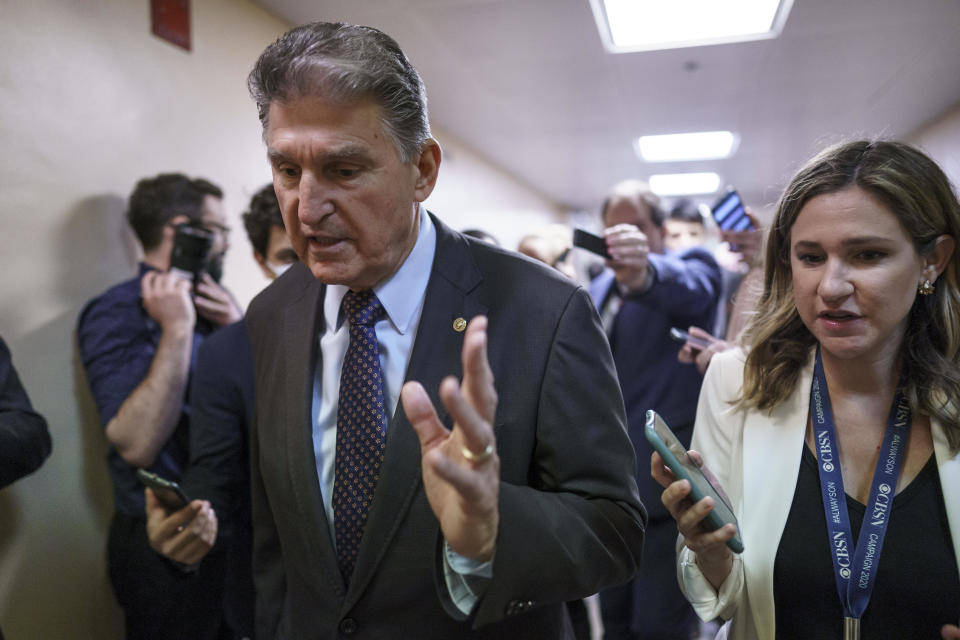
402,293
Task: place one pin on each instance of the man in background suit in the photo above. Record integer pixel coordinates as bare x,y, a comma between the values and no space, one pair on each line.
137,342
221,388
473,517
641,295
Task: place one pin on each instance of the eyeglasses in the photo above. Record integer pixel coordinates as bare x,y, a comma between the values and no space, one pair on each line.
216,226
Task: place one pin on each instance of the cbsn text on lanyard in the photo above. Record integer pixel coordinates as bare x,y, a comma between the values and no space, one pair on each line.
855,575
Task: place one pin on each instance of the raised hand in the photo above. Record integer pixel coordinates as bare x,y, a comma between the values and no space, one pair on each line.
461,469
630,252
215,303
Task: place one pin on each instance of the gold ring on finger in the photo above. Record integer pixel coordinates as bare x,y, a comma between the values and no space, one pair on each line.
477,457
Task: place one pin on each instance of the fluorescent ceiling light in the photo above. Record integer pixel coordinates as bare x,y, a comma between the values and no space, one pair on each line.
678,147
644,25
683,184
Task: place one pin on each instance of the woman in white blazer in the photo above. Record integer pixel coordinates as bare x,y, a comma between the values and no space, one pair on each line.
853,357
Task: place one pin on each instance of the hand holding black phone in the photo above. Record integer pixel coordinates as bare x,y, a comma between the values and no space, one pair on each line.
168,492
684,337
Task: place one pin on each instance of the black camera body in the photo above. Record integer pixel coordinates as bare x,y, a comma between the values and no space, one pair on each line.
191,251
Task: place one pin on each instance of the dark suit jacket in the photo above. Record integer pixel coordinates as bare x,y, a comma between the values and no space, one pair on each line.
24,438
221,390
570,520
685,292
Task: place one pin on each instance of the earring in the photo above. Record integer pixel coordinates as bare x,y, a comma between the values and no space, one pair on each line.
925,288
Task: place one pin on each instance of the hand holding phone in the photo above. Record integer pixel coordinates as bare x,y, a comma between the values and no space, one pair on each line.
675,457
168,492
730,213
684,337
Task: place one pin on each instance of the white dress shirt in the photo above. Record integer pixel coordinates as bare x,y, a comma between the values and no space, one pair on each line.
402,298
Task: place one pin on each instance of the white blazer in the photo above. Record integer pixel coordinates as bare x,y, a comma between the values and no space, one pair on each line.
756,458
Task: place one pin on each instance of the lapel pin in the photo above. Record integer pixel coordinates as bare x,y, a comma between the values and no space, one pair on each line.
459,325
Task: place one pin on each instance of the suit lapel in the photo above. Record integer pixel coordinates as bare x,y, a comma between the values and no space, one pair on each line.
303,319
435,355
772,447
948,466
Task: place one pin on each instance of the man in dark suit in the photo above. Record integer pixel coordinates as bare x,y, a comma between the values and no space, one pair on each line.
451,513
641,295
221,387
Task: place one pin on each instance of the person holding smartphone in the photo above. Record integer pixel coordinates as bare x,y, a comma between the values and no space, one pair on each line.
836,431
137,343
643,292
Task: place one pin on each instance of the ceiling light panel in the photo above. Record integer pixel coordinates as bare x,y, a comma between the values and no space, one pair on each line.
680,147
645,25
684,184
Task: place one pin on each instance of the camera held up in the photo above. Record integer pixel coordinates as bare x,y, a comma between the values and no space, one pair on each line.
191,251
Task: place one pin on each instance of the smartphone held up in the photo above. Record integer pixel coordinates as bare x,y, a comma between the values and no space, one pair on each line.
730,213
189,258
591,242
675,457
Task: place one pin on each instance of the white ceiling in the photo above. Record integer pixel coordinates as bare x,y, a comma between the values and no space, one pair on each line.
528,84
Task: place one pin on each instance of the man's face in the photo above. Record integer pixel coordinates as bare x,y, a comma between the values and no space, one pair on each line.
280,254
682,234
629,211
214,218
348,201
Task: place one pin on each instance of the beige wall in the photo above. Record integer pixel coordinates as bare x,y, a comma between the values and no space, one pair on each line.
940,138
90,101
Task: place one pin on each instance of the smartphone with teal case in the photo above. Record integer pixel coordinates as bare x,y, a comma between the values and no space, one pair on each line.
675,458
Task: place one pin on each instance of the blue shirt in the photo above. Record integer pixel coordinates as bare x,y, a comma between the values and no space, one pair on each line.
117,340
402,296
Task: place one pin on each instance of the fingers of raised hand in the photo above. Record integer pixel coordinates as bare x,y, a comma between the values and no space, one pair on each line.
473,439
478,386
422,415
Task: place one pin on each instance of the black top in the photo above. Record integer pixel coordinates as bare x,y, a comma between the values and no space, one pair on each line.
917,588
24,438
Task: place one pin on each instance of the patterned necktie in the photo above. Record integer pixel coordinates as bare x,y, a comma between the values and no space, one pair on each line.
361,428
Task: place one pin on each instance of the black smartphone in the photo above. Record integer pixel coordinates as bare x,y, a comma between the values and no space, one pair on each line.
675,457
683,337
590,242
167,491
191,251
730,213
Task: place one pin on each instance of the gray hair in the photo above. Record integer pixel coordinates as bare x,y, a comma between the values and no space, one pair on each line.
343,63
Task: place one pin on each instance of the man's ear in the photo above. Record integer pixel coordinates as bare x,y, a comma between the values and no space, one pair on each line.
426,169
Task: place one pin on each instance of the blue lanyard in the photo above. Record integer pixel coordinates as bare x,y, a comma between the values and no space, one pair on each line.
856,569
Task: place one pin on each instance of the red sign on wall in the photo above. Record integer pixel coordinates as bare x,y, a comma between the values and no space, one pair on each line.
170,20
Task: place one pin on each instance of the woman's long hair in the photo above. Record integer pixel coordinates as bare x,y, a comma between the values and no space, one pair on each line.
916,191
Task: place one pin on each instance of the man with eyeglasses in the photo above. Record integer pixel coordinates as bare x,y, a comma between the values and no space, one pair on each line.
138,341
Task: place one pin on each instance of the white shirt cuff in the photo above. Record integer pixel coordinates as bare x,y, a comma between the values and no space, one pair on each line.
466,578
